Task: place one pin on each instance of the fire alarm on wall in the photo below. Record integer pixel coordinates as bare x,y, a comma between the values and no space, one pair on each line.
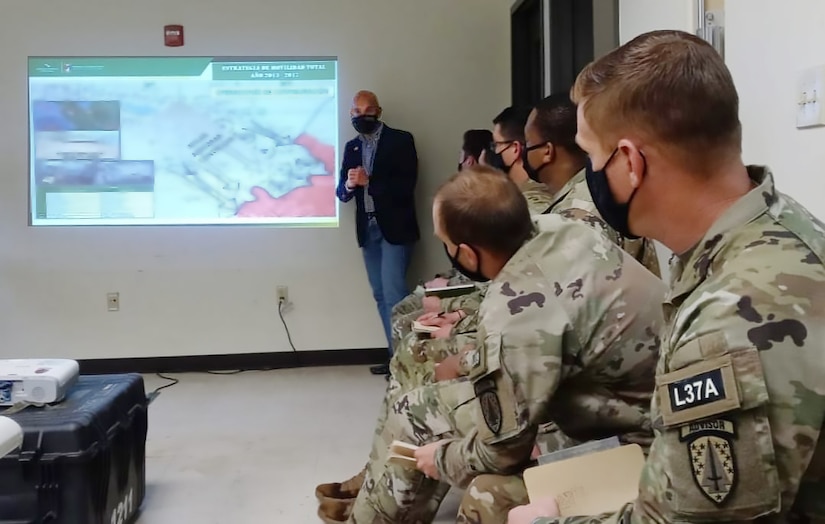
173,35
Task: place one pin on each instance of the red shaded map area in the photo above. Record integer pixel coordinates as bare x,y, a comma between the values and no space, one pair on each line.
315,200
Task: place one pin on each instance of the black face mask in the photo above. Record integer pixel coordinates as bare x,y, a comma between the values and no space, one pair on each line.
496,161
533,173
475,276
365,124
614,213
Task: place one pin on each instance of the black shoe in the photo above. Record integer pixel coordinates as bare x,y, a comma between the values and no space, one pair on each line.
381,369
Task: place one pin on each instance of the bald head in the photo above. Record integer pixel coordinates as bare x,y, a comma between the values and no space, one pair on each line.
365,103
484,209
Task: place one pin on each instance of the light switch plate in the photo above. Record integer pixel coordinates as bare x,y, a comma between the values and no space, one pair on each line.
810,98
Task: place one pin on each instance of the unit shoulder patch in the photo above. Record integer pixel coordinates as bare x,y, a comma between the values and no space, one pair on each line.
712,459
485,390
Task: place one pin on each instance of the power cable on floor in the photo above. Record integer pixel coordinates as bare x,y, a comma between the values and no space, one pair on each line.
173,381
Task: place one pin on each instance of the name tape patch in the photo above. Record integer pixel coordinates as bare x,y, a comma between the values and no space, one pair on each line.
700,391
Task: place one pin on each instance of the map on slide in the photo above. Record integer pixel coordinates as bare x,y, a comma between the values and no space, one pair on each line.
182,140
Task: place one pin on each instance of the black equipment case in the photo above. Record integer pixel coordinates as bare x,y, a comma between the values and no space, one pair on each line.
82,460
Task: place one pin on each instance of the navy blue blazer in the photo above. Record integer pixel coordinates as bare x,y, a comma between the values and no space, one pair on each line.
392,186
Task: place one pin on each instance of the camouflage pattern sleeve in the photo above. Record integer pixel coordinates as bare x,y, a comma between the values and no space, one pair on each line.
593,220
515,377
469,323
437,349
623,516
457,279
539,198
468,303
642,249
575,202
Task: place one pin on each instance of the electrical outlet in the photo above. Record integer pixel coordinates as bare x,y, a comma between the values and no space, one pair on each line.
113,301
283,294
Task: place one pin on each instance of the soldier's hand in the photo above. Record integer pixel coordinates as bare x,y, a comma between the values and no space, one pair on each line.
425,459
431,304
436,282
448,369
547,507
434,319
445,331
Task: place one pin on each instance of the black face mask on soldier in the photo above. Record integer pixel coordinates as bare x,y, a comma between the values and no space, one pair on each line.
615,214
475,276
533,173
497,161
365,124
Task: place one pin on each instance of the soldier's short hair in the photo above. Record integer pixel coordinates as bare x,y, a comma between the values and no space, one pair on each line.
511,122
555,122
476,141
482,207
670,88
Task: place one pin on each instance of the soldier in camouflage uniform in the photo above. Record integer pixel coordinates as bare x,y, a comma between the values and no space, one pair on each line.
552,156
739,408
411,307
539,198
505,155
567,333
415,357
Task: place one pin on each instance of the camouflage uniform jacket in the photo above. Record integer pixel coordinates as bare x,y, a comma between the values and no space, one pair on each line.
740,398
574,201
568,333
539,197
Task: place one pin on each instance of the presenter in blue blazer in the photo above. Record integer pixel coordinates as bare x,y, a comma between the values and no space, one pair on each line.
379,171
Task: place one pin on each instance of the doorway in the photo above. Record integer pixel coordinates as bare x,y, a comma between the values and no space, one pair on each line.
552,40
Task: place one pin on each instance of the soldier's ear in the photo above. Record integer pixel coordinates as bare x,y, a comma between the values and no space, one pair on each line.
469,257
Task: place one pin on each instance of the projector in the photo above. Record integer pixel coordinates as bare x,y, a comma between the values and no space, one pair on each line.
36,381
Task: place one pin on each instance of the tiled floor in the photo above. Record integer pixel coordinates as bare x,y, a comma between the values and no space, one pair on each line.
250,448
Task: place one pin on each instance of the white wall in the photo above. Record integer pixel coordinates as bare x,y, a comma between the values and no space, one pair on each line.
640,16
767,46
439,68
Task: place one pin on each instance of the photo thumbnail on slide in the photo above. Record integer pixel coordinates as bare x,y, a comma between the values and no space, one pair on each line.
175,141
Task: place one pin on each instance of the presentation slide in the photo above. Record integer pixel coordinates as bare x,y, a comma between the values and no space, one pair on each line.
183,140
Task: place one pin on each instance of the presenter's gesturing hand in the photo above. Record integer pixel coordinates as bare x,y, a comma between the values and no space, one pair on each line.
356,177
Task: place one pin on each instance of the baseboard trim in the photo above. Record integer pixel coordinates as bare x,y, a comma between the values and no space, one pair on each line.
281,360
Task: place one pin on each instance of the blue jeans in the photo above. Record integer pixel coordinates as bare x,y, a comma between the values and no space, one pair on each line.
387,272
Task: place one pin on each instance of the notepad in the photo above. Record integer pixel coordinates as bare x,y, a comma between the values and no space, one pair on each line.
418,327
577,451
590,484
403,454
450,291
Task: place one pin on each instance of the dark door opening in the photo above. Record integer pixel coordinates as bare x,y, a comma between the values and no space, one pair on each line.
552,40
571,41
527,44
